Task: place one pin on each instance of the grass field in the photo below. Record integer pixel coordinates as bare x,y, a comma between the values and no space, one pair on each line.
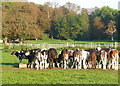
63,41
11,74
59,76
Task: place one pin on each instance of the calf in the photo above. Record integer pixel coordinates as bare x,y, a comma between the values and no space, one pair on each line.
19,55
44,56
52,55
102,54
77,59
113,56
103,59
38,57
38,60
32,55
79,56
64,56
84,56
24,54
92,59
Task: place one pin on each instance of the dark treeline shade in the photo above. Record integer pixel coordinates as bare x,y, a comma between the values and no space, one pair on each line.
118,25
32,21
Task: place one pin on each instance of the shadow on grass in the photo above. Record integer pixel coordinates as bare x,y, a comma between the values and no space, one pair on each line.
12,64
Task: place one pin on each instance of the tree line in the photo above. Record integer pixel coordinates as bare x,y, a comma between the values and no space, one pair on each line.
68,22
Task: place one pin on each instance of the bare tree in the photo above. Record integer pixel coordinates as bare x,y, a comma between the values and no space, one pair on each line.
48,6
72,7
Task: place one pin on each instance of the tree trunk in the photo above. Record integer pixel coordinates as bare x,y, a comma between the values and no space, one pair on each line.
112,38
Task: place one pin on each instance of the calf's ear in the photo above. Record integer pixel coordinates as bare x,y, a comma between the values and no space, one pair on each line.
13,52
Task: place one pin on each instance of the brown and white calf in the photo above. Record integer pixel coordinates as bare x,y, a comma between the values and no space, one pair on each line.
113,56
103,58
64,56
77,59
79,56
91,59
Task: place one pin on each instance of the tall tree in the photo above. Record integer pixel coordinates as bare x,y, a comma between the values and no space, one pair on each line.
22,20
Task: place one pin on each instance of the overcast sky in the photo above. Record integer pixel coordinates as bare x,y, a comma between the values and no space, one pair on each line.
84,3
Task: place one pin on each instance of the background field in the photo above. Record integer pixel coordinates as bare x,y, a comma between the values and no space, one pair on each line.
48,40
11,74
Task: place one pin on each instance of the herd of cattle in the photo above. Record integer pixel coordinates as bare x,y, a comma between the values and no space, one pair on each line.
77,58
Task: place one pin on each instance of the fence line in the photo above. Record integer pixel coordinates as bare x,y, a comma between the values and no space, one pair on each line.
62,45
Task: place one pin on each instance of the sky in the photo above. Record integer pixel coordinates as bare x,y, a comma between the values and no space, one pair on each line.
83,3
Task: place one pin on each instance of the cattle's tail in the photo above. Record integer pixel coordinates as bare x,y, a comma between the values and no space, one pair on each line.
55,61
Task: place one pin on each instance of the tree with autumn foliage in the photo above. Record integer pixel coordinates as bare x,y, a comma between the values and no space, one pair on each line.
99,23
23,21
70,21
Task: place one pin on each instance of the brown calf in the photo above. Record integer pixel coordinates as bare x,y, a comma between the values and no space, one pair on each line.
92,59
52,55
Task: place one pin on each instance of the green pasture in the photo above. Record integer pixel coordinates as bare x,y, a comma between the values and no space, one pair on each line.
54,43
64,41
59,76
11,74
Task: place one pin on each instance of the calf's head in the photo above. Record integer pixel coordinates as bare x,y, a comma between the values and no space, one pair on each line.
15,52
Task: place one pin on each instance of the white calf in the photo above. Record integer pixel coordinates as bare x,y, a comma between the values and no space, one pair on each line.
84,56
103,56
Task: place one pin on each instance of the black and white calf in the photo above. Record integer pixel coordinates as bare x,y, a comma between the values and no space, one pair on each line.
39,57
27,54
31,55
19,55
43,58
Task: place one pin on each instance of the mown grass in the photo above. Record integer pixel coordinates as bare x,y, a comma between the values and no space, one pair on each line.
11,74
59,76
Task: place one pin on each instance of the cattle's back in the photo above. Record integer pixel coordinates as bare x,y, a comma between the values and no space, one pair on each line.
106,49
64,52
52,53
